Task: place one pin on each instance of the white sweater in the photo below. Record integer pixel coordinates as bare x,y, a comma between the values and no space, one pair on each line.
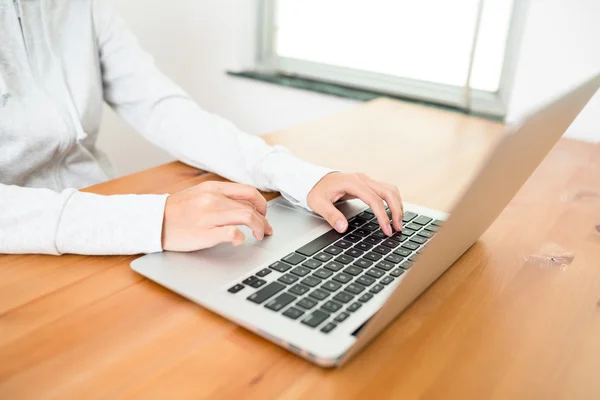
59,60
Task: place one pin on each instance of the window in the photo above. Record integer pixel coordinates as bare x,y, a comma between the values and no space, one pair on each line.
458,53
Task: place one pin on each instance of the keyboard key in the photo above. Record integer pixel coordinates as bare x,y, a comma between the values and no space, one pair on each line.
402,252
375,273
365,280
267,292
353,270
331,306
250,280
299,289
407,216
341,317
323,257
394,258
311,281
356,222
414,227
406,265
294,259
312,264
369,211
334,266
331,286
372,240
323,273
365,215
288,279
373,256
307,303
235,288
320,243
353,238
354,307
355,253
365,297
437,222
376,289
426,234
408,232
382,250
315,318
258,283
300,271
413,258
432,228
385,265
390,243
263,272
400,238
333,250
410,245
387,280
362,246
378,234
363,263
362,232
389,213
280,301
422,220
344,244
328,327
354,288
280,266
319,294
342,278
293,313
397,272
344,259
343,297
371,226
418,239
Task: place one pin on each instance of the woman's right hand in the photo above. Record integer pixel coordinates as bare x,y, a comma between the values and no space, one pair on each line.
207,214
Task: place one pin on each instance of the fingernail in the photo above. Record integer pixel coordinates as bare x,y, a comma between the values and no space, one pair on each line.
340,225
269,230
388,230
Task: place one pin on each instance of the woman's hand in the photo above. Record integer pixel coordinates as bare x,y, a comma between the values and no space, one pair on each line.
207,214
337,185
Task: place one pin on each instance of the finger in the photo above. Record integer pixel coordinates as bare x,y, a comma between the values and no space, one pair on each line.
361,190
229,204
246,216
268,226
325,208
236,191
223,234
391,195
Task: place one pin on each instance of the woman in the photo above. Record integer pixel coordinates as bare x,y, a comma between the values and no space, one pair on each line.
59,60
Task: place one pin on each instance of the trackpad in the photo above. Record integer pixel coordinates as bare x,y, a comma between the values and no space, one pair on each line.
288,225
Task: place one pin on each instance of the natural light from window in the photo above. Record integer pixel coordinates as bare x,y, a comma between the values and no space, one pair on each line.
427,40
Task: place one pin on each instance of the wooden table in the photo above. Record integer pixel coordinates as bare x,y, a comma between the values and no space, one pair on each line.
517,317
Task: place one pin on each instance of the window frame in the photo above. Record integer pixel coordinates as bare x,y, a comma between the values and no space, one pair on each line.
493,104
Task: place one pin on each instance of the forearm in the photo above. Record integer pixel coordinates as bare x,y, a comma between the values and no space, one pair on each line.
41,221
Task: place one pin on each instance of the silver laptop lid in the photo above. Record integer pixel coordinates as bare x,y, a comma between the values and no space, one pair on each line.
508,167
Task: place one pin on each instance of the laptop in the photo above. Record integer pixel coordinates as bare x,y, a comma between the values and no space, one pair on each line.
324,295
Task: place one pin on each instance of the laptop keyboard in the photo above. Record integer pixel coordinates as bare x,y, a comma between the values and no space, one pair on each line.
325,281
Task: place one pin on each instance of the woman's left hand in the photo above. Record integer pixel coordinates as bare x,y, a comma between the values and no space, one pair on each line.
338,185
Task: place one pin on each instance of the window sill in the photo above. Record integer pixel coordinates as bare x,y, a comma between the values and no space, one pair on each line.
334,89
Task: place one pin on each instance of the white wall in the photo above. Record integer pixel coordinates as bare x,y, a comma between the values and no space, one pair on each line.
195,41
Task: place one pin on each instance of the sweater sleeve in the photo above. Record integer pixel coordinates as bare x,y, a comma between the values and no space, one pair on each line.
42,221
163,113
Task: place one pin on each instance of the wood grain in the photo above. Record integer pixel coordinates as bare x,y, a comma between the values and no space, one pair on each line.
518,316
